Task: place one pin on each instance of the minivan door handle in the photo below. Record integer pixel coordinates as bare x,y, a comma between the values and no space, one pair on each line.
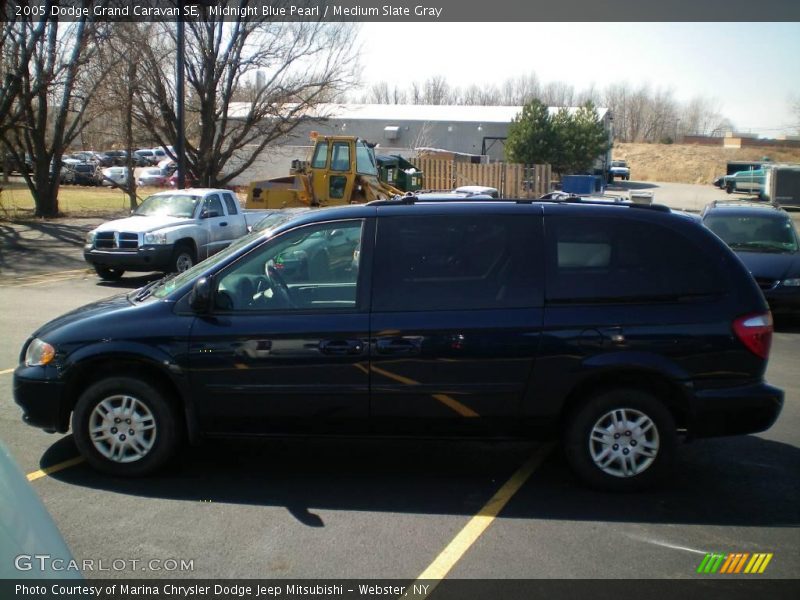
341,347
399,346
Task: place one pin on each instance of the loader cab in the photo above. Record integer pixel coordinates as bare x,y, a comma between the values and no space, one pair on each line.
336,164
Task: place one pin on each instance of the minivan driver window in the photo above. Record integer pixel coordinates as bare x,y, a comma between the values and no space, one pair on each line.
309,268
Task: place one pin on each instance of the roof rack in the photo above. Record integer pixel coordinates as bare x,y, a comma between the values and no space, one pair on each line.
553,197
744,203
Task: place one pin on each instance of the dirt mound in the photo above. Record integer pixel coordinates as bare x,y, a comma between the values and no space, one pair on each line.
690,164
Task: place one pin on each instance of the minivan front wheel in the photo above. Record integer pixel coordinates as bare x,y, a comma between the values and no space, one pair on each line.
125,426
620,440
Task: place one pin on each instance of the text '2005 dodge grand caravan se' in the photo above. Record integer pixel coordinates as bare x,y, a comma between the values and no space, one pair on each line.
616,326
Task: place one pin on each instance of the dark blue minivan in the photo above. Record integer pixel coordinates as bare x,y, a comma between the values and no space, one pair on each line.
594,322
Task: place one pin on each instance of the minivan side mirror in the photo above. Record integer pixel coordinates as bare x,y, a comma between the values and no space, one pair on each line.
200,296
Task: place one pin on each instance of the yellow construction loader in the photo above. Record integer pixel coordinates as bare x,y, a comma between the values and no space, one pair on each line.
342,170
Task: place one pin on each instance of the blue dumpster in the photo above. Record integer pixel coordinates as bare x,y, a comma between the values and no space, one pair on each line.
578,184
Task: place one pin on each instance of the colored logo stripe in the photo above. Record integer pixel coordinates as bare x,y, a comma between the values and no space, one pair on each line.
734,563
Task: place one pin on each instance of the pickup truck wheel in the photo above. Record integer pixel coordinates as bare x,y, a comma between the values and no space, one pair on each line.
109,273
620,440
183,258
125,426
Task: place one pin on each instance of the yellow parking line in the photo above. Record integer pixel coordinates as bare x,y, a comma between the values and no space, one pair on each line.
448,401
448,557
54,468
41,278
6,371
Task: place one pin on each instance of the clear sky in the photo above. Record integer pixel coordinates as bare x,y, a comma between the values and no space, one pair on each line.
751,69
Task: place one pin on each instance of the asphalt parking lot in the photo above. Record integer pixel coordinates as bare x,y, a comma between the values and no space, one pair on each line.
355,508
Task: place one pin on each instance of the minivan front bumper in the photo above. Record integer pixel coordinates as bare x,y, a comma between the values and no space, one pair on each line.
735,411
42,397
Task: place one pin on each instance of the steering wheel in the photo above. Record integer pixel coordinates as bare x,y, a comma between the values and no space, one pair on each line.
279,286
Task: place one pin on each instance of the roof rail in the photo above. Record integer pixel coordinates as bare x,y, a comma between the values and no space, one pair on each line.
553,197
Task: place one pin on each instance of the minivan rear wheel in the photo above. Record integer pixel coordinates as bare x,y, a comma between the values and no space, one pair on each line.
125,426
620,440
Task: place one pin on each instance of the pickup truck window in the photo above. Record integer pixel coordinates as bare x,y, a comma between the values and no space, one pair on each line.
214,205
173,205
231,204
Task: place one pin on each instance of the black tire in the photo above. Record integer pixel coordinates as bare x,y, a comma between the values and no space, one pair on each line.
729,188
131,455
625,404
109,273
183,258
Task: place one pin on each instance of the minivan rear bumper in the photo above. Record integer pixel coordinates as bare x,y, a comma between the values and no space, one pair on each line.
735,411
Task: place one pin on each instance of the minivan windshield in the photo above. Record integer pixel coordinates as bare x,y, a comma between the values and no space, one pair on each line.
167,286
168,205
755,233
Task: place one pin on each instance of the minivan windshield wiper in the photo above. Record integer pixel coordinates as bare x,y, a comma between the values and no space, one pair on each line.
776,247
144,292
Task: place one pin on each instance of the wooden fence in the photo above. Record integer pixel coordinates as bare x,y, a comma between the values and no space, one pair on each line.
511,180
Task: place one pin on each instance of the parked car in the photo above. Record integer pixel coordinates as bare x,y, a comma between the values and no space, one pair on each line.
152,176
84,174
115,176
620,169
169,232
146,155
750,181
32,546
167,165
78,174
765,239
592,322
172,180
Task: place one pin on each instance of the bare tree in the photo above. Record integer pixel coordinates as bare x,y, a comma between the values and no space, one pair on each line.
436,90
303,65
17,43
53,94
558,93
794,104
117,96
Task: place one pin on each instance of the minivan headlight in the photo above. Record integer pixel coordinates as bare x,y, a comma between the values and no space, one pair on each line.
39,353
90,237
155,238
794,282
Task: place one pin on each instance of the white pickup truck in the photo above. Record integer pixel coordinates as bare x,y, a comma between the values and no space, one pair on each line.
619,169
168,232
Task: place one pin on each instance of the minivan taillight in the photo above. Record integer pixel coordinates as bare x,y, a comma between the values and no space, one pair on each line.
755,332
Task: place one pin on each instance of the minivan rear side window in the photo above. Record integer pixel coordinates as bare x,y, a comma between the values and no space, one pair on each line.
604,260
456,263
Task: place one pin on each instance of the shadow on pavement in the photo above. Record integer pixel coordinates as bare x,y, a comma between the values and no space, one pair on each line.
33,246
744,481
130,282
631,185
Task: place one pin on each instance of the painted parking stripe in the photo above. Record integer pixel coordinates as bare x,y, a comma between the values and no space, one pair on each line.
448,401
464,539
54,468
6,371
40,278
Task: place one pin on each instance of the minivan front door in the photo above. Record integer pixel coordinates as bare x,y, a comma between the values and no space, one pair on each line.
286,347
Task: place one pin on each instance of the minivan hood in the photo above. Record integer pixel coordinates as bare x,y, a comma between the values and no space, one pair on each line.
771,266
102,307
142,224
